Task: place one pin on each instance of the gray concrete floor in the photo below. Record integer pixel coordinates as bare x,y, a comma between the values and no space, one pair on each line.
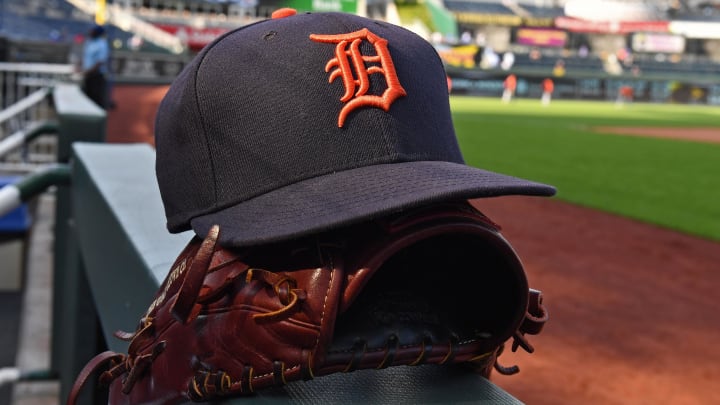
33,351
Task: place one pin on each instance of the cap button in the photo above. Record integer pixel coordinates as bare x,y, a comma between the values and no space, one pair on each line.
283,12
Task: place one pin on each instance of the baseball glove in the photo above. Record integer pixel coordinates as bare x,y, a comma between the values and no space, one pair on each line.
431,286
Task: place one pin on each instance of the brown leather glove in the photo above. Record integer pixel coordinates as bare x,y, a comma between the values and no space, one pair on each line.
435,285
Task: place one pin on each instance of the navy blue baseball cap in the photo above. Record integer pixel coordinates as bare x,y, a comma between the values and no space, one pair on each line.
304,123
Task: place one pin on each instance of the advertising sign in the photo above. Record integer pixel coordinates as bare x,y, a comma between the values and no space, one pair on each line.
610,27
662,43
541,37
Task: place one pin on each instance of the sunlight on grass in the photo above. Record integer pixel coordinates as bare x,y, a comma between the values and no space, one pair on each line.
671,183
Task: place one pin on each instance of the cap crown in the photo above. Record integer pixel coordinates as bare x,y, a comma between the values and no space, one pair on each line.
285,100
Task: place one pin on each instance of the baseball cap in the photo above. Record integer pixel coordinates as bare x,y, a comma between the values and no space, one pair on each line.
307,122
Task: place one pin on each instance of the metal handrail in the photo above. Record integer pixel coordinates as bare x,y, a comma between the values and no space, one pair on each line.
15,194
26,135
25,111
24,104
45,68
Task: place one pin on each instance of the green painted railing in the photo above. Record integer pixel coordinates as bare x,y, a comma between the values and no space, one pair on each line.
78,119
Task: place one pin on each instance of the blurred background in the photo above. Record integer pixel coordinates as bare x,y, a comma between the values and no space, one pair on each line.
667,50
627,254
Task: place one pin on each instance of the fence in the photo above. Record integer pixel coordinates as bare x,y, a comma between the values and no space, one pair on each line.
587,86
24,102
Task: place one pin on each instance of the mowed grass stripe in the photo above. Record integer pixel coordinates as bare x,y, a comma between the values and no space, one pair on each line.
672,183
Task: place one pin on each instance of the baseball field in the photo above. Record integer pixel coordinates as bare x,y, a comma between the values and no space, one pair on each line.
591,151
627,254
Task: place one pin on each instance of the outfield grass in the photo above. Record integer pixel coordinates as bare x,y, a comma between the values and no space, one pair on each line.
672,183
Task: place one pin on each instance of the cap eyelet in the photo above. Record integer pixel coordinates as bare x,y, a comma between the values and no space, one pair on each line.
270,35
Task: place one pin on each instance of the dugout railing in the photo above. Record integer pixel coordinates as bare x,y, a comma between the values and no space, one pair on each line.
26,102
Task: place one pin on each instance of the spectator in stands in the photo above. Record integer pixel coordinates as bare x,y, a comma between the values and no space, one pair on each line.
490,59
612,65
508,60
509,86
535,54
583,51
547,90
559,68
95,69
625,56
697,95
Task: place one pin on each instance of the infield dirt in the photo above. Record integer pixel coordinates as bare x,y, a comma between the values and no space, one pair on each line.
634,308
711,135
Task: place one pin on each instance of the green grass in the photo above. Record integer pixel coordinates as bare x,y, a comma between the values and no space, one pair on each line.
671,183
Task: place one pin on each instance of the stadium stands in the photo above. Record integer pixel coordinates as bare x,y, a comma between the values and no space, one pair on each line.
705,11
55,22
477,7
52,20
673,48
544,12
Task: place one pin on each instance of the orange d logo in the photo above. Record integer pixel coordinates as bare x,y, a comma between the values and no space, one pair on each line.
356,68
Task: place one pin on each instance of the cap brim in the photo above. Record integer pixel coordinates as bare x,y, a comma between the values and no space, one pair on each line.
348,197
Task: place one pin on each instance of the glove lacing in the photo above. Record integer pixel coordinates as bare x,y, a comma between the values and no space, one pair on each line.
184,309
535,319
